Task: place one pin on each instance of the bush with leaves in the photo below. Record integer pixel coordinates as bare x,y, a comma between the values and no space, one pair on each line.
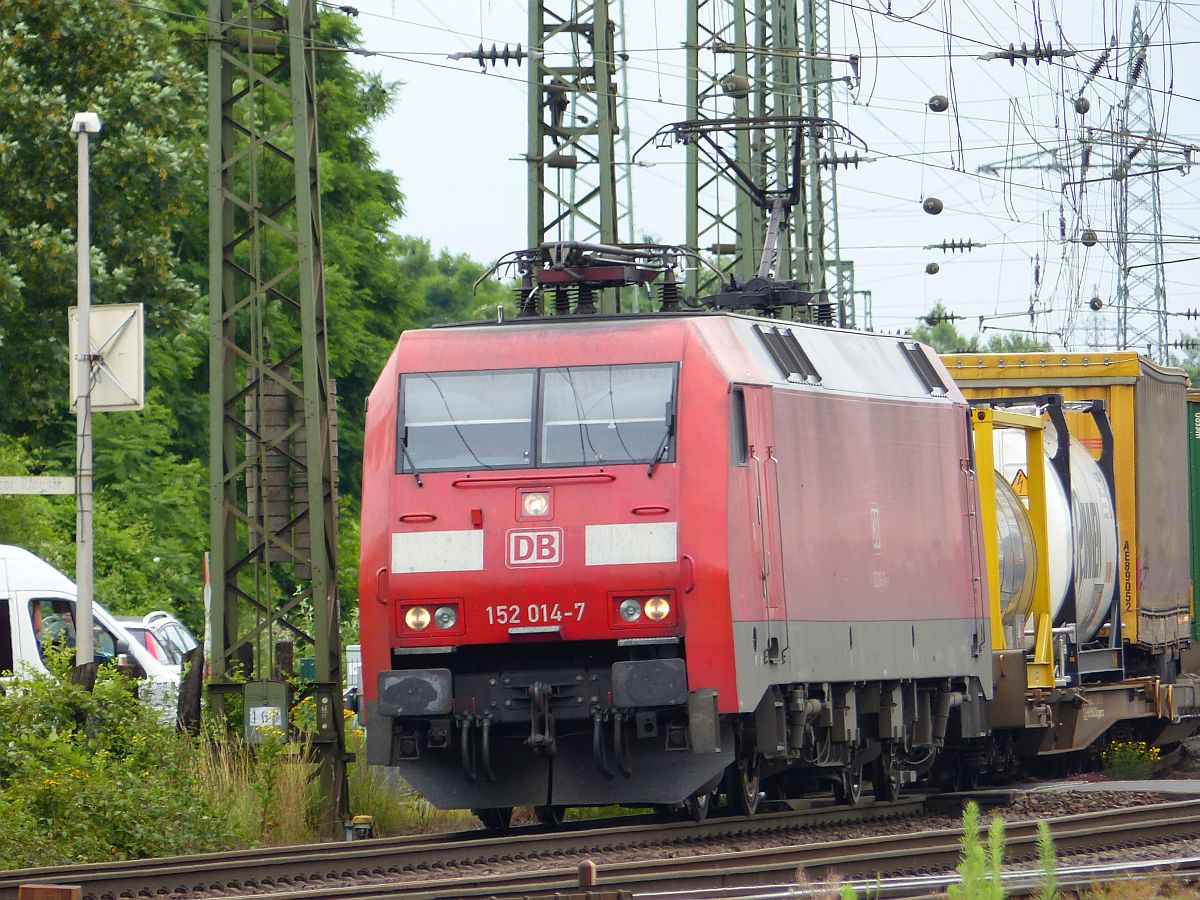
1132,760
88,776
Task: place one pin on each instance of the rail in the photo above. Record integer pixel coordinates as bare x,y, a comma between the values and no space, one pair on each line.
427,867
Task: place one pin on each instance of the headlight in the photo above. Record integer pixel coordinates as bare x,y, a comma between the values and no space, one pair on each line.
657,608
535,503
417,618
445,617
630,610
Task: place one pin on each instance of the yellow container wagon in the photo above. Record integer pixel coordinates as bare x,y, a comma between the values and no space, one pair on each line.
1146,406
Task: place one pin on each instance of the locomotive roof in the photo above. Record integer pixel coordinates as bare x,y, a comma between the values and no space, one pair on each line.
748,349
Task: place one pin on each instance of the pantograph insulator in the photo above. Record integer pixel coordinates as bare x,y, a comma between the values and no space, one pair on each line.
669,293
586,304
528,297
562,301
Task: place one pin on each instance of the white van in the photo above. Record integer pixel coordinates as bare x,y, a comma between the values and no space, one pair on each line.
37,605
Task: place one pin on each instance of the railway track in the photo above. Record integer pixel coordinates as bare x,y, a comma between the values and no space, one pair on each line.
299,866
541,864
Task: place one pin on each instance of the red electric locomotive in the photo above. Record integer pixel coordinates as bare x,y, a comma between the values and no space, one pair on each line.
639,559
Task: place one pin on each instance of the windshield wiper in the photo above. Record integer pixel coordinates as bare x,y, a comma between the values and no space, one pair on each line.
408,459
662,447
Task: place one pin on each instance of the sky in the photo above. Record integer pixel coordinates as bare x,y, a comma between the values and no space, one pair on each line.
456,138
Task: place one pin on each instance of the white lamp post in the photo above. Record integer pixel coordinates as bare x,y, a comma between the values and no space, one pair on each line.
85,123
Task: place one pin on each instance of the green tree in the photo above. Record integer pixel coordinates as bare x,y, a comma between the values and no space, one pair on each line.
61,57
147,167
444,286
27,520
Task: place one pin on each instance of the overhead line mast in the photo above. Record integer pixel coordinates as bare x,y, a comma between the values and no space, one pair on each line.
1141,288
764,59
272,442
572,125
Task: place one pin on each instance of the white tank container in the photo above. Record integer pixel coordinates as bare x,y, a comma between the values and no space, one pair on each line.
1085,544
1018,560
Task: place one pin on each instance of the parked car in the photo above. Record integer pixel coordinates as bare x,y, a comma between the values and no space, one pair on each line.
37,608
164,637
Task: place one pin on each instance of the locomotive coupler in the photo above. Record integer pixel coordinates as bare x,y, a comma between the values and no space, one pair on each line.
541,724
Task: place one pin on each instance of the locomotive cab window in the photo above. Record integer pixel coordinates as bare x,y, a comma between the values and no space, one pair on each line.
586,415
607,414
465,420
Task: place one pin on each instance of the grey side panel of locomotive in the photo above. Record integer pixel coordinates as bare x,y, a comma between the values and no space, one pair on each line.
858,652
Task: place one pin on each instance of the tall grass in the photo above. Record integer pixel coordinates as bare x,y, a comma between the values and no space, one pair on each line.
270,793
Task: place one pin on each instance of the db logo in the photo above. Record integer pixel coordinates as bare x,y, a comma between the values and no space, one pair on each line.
535,548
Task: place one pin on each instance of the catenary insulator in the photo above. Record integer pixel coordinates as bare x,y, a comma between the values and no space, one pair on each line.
939,103
932,205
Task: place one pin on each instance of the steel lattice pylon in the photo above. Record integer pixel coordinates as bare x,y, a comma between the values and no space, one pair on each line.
624,146
764,58
825,264
272,443
721,220
572,118
776,78
1141,290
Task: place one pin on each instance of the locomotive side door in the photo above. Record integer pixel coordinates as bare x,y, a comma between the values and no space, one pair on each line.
773,641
